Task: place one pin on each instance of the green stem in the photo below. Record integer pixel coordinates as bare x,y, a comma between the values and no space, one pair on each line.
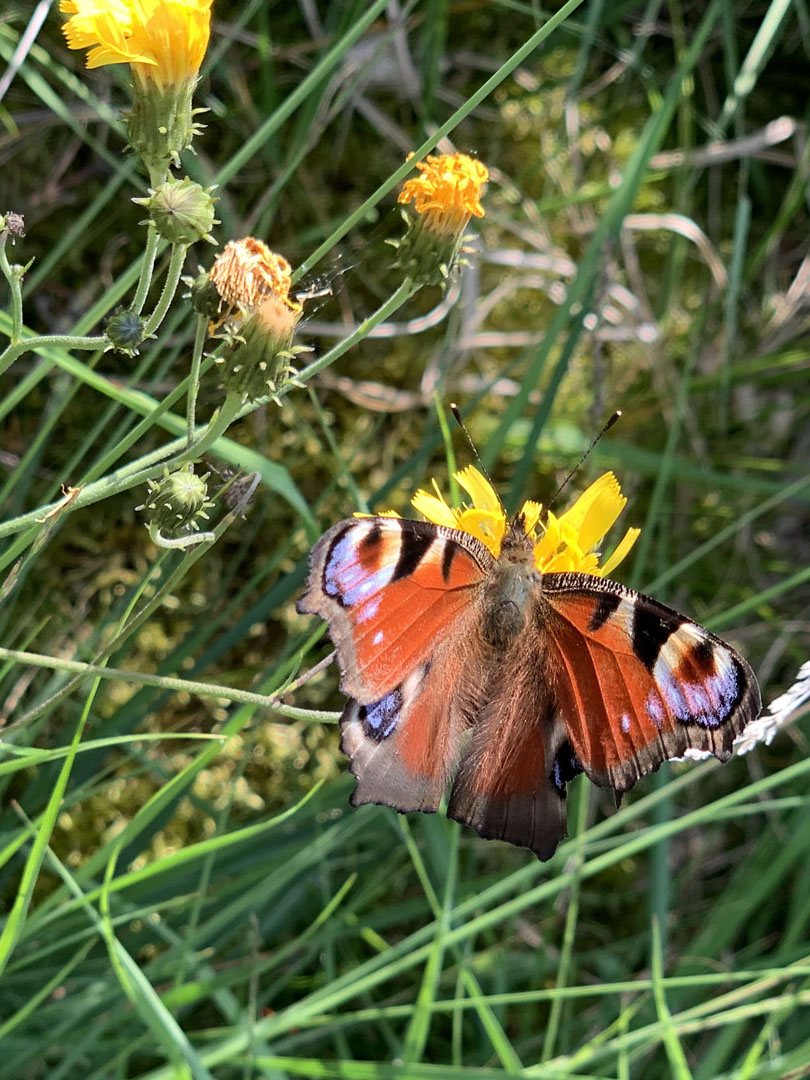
181,543
147,268
169,287
59,341
405,291
15,286
164,682
139,471
194,376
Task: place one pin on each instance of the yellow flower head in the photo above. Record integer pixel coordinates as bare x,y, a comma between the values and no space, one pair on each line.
164,41
246,273
447,193
561,544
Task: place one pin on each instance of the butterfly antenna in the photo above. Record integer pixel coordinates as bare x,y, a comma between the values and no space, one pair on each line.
613,419
454,409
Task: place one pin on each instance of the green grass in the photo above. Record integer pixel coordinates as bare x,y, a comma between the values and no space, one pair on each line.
185,890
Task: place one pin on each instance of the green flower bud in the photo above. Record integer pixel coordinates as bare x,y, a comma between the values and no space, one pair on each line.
204,296
125,330
181,211
175,504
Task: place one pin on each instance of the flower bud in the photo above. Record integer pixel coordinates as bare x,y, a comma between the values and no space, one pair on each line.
125,331
203,294
175,504
181,211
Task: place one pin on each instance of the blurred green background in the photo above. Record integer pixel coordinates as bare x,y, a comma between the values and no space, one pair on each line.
645,248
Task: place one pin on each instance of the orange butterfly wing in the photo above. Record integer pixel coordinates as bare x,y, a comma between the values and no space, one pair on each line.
390,588
399,597
638,683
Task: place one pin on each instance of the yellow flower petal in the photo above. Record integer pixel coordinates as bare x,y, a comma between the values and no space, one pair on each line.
434,509
488,527
164,40
447,192
480,490
548,543
622,550
596,510
531,512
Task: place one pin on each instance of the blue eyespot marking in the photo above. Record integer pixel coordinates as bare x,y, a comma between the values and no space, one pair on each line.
380,718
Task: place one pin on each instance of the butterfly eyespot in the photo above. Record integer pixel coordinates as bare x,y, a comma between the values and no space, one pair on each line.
565,767
379,719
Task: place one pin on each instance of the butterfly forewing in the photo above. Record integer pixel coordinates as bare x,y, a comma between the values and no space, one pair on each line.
390,589
637,682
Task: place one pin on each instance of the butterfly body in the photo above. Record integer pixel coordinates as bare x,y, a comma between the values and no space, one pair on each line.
484,675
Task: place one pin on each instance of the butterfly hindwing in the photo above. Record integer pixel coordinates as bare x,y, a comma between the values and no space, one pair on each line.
636,682
511,781
404,747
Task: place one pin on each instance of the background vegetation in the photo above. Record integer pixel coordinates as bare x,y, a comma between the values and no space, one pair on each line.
210,907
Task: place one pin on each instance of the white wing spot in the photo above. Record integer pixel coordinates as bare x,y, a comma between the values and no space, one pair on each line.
377,638
625,723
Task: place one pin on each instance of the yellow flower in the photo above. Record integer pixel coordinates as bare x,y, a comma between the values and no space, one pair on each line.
445,195
561,544
164,41
448,191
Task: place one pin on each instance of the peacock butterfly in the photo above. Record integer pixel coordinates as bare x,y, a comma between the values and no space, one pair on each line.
468,658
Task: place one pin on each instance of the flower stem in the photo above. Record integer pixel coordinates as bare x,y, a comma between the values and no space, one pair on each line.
138,472
14,280
194,376
56,341
169,287
181,542
405,291
138,678
147,268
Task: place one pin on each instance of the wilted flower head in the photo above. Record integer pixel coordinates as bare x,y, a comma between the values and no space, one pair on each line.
246,272
164,42
561,544
259,317
445,195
